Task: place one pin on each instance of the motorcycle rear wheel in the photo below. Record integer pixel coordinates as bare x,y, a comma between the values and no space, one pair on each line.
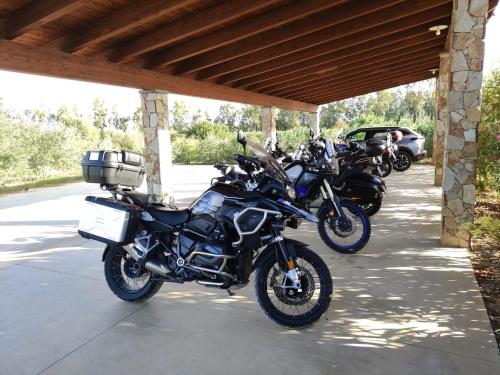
126,278
293,307
372,207
385,169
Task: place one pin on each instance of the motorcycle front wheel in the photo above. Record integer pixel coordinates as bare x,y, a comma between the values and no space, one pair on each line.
347,234
288,306
126,278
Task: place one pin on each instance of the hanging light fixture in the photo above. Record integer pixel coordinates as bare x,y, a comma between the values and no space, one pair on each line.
438,28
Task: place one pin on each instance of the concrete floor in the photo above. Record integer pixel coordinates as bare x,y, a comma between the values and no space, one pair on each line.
403,305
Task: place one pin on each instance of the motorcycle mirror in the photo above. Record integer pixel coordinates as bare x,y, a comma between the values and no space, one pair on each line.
311,134
242,139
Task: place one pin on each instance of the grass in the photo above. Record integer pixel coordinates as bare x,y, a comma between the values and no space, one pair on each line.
37,184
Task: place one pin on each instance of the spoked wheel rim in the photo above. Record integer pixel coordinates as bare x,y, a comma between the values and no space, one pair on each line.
290,301
344,231
129,275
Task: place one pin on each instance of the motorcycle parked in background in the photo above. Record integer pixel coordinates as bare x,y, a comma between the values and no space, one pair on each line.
343,225
353,181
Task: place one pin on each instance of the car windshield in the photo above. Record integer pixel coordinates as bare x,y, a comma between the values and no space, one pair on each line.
269,162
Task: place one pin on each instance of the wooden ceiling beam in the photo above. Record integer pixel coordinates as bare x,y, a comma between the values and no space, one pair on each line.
381,75
127,18
417,23
387,43
359,67
43,61
184,27
374,88
353,84
260,23
352,63
314,23
411,36
339,31
34,14
364,90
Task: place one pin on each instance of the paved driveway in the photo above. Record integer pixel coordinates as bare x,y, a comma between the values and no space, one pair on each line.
403,305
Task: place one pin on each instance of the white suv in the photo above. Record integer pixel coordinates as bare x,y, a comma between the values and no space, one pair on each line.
412,144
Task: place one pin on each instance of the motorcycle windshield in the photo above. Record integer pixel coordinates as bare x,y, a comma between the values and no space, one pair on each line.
269,162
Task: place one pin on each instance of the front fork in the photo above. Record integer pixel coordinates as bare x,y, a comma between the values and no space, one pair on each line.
290,259
333,201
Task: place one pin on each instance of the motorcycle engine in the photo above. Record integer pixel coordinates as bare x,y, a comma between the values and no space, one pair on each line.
211,250
201,235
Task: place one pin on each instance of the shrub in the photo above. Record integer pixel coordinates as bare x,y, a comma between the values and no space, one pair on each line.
484,226
489,135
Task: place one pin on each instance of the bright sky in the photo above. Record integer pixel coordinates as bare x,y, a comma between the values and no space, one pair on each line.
24,91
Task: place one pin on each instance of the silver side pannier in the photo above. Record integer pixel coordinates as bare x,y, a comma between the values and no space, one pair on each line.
108,220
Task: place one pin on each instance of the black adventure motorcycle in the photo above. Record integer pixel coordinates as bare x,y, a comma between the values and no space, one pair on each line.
224,236
342,225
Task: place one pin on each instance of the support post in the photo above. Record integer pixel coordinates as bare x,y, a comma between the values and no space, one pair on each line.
157,146
460,159
268,123
314,122
441,116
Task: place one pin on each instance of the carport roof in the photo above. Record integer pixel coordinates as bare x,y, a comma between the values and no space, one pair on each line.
291,54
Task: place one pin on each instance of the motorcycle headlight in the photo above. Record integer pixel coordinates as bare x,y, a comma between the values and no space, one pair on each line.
291,191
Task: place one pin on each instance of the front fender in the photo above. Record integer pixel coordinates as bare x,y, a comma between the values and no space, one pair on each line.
290,245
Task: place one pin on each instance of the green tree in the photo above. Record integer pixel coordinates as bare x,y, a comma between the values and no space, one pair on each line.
304,119
489,135
250,117
287,119
118,122
137,119
99,113
180,115
228,115
332,113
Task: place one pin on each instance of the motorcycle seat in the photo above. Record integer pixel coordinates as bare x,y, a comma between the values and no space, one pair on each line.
169,216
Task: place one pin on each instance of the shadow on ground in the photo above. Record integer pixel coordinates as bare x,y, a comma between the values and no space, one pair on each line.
404,304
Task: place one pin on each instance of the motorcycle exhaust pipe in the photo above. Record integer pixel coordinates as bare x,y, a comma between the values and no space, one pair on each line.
156,267
151,265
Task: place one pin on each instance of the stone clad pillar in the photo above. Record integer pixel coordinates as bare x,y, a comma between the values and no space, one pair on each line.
441,117
157,146
268,123
314,122
460,159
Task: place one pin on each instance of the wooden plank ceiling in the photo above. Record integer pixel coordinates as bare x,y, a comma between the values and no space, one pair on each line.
295,54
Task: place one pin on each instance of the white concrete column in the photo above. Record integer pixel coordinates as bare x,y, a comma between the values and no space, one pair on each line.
157,146
460,158
314,122
268,123
441,116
